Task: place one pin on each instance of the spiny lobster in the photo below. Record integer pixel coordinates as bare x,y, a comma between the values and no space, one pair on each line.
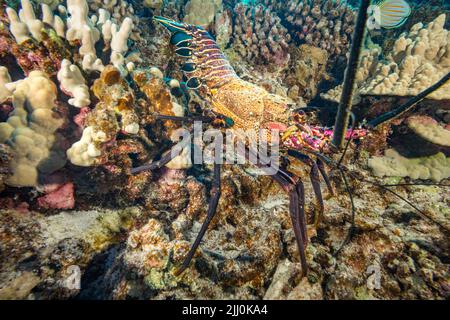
249,106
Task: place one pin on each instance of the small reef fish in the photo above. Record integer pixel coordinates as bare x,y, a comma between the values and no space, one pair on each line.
388,14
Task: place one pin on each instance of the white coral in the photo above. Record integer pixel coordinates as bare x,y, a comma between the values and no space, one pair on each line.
5,78
25,25
30,130
430,130
85,152
419,59
392,164
73,83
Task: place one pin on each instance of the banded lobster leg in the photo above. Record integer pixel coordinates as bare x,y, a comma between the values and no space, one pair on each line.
157,164
212,209
293,185
316,168
296,191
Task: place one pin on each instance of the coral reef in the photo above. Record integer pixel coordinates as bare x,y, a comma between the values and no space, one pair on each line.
201,12
113,113
31,130
429,129
118,11
307,70
259,37
326,24
419,59
392,164
73,84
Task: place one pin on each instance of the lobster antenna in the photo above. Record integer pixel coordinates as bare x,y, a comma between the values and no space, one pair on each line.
352,228
421,212
411,103
350,139
417,184
345,105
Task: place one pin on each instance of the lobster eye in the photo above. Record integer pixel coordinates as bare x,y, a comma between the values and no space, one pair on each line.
193,83
184,44
179,37
177,92
189,67
184,52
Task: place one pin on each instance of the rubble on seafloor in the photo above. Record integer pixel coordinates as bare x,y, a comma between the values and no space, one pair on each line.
78,95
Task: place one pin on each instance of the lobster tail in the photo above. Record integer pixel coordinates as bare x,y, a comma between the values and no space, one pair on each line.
206,65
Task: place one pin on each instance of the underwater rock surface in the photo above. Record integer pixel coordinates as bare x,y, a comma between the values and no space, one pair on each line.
90,90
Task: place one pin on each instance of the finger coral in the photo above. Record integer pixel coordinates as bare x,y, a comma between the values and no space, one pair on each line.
118,11
114,112
259,37
73,84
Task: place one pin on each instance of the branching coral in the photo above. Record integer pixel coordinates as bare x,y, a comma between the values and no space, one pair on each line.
25,25
114,112
259,37
29,53
53,4
73,84
82,28
324,24
82,31
420,58
118,10
31,130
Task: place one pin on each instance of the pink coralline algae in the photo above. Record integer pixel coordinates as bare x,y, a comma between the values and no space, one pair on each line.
62,198
318,138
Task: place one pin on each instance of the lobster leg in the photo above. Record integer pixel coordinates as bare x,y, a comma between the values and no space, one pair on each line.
183,119
212,209
297,212
315,181
155,165
300,187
